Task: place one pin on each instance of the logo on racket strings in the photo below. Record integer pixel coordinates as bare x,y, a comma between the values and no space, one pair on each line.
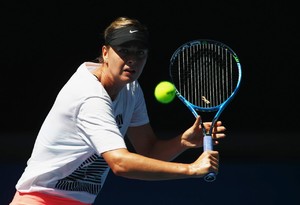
203,98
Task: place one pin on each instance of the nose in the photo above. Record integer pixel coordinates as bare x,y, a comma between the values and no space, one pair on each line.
130,60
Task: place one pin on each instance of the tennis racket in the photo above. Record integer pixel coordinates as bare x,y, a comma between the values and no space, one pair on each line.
207,75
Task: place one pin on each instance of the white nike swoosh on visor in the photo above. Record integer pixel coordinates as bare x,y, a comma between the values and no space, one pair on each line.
133,31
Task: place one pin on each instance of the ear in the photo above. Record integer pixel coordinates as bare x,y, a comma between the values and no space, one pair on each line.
105,52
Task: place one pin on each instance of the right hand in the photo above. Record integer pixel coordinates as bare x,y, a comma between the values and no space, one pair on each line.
207,162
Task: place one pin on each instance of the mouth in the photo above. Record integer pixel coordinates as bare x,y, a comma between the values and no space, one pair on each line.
128,70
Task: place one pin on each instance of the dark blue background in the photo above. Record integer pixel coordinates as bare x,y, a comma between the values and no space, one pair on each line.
245,182
43,43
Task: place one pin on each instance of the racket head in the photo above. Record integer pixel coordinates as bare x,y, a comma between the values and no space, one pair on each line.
206,74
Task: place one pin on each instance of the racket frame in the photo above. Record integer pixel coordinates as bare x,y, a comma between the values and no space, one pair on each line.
207,139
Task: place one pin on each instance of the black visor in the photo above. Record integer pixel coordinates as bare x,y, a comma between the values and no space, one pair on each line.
127,34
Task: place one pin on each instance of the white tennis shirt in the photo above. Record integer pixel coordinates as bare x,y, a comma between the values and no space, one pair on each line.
83,123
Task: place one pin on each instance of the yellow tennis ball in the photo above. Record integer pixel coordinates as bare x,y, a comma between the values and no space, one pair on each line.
164,92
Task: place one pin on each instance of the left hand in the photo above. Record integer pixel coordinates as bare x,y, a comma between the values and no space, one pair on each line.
193,137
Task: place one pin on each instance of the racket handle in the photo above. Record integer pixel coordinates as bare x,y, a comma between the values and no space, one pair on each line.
208,145
210,177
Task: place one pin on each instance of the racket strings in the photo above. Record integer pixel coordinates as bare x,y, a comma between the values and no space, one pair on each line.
205,74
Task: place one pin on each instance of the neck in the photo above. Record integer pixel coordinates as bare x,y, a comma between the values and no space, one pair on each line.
107,82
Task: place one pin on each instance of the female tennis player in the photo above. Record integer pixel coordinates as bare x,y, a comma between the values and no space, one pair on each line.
82,137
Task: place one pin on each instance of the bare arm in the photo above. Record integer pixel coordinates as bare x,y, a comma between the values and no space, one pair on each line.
151,160
148,144
130,165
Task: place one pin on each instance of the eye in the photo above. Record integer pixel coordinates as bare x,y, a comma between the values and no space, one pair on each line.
141,53
123,51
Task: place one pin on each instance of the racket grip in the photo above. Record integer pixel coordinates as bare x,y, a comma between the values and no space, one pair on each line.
208,145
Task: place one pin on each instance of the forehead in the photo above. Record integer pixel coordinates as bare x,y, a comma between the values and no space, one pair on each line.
134,44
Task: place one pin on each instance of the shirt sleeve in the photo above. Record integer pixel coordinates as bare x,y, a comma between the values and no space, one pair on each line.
97,126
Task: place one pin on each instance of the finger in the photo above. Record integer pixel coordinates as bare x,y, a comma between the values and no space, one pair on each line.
197,121
217,126
219,129
207,125
214,161
218,136
219,123
216,142
214,168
